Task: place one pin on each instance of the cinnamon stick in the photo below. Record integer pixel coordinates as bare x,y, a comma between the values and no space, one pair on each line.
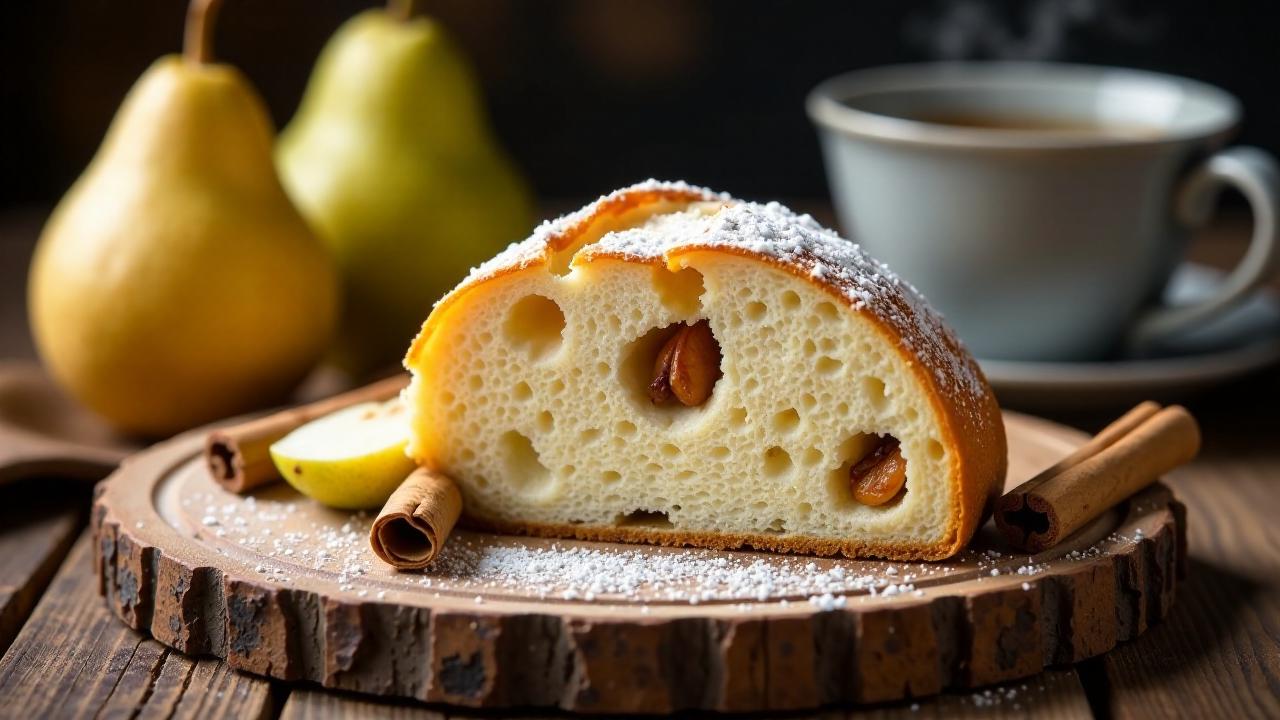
238,456
416,521
1125,457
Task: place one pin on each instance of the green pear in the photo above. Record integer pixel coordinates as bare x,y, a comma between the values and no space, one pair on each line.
391,160
176,283
351,459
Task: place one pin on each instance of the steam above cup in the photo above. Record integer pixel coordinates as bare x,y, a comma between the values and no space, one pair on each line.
1041,207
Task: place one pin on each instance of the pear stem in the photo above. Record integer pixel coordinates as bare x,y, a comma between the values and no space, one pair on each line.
404,10
197,43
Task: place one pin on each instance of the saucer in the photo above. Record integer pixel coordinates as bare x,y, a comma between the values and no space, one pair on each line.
1243,340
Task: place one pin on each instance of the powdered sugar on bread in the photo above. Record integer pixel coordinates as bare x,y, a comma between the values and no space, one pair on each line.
768,230
530,384
797,241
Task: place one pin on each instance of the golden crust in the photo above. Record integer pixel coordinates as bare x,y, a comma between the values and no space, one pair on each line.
556,240
972,427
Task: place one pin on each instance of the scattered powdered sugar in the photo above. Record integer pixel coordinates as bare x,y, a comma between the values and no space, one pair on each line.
481,566
1014,695
258,526
827,601
535,247
891,590
281,544
570,571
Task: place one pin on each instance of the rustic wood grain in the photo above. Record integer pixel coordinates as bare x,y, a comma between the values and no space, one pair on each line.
37,528
1218,654
319,705
168,576
1053,695
73,659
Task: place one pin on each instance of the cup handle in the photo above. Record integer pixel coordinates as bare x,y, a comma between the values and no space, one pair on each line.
1256,175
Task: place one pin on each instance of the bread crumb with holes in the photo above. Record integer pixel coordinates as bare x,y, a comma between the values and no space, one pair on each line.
549,385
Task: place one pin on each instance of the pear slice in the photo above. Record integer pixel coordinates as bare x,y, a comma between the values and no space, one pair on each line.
351,459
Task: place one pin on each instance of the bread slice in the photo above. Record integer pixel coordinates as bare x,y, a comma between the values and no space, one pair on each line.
532,386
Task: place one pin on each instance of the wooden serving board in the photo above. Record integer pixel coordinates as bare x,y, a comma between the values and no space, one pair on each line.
282,587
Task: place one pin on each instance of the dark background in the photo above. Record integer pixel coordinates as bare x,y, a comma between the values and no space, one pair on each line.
588,95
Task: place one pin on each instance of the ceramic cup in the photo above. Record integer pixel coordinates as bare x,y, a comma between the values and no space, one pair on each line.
1041,207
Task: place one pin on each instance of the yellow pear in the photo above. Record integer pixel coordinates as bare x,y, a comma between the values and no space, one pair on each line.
175,283
391,159
352,459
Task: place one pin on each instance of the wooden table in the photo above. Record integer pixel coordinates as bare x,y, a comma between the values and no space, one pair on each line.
1217,656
